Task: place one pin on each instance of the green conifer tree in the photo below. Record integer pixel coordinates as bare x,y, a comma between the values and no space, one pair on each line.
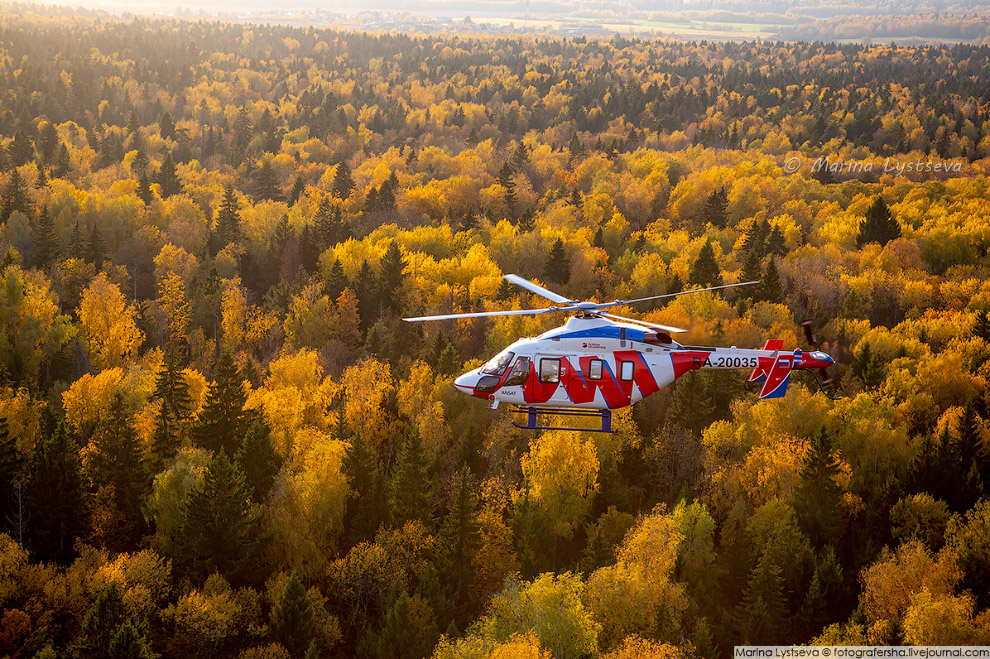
558,267
15,197
705,271
769,289
266,185
391,278
168,180
293,623
762,613
258,460
114,461
46,244
879,226
298,189
220,532
55,495
366,506
221,424
716,208
817,498
336,280
343,184
460,537
410,494
228,226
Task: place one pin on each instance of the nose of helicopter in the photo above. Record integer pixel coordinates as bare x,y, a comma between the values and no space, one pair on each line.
465,383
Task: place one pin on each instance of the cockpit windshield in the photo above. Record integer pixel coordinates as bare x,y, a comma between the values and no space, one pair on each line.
497,364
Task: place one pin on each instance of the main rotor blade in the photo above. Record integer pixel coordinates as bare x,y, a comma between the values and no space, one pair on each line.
665,328
485,314
619,303
536,288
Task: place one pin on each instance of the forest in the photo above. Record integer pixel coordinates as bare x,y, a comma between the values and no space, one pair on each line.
219,439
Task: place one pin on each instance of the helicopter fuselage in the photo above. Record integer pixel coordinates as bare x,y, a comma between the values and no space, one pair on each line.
600,364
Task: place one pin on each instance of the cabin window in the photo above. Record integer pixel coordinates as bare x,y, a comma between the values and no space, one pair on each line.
519,373
595,369
626,371
550,370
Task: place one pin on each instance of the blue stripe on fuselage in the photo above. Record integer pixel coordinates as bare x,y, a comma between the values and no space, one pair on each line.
604,333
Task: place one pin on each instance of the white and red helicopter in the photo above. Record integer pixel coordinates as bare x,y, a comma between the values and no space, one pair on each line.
597,362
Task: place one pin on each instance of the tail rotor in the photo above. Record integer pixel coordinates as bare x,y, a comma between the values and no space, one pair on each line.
824,377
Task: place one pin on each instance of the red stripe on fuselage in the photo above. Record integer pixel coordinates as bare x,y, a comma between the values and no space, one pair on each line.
688,361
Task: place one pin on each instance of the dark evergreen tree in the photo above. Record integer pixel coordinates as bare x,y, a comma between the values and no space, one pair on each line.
63,164
171,386
221,424
879,226
505,179
506,291
55,495
450,361
144,191
762,613
266,185
258,460
21,149
460,538
46,244
220,532
756,238
47,141
558,267
336,280
129,643
410,495
716,208
343,184
705,271
15,197
104,618
403,634
77,244
437,347
293,623
776,243
168,180
366,291
166,126
981,327
11,466
95,248
228,226
469,221
817,498
115,469
367,505
769,289
41,181
867,367
298,188
166,440
391,278
752,270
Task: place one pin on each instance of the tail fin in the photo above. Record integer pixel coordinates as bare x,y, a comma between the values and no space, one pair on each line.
779,375
759,373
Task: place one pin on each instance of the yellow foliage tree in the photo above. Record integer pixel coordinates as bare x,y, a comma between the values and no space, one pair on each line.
109,330
561,469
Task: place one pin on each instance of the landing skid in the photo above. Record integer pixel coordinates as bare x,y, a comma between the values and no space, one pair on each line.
533,412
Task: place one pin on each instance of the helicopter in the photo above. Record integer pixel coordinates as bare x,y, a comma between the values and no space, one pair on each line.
598,361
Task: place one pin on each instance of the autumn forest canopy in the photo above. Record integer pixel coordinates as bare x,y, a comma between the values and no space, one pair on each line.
218,439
